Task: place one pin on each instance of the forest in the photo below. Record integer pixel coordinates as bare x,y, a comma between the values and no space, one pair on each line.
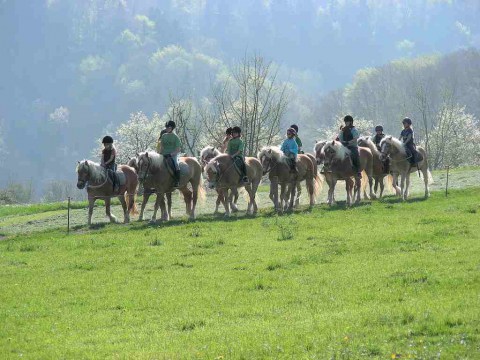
73,71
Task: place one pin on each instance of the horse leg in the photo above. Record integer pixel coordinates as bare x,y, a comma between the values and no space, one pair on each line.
126,215
407,185
218,202
144,203
398,190
155,207
112,217
375,187
194,201
402,186
254,193
311,191
299,192
163,208
187,197
348,188
425,181
358,189
291,195
91,203
169,204
226,203
370,184
233,200
382,185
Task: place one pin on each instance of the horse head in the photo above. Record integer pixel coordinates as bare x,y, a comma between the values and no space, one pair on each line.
212,171
266,159
317,150
144,162
385,147
83,173
363,141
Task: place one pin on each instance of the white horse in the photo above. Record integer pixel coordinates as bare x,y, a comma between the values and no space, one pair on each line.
399,165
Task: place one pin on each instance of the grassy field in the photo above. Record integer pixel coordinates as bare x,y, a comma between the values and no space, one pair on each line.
381,280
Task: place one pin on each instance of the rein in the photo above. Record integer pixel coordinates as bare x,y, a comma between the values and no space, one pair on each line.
98,186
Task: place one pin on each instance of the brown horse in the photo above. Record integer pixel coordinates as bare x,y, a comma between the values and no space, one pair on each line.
275,164
337,161
379,173
222,175
154,174
399,165
320,157
207,154
99,186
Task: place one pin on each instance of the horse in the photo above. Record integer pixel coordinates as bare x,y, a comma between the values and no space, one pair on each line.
207,154
319,158
274,162
400,165
379,173
222,175
154,174
99,186
336,159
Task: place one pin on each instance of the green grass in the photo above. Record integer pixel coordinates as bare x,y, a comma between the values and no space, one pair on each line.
380,280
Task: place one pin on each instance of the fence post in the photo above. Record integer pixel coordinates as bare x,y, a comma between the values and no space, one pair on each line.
68,216
446,185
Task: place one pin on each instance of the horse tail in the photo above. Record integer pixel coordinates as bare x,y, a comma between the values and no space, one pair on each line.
201,194
364,182
389,182
317,185
131,203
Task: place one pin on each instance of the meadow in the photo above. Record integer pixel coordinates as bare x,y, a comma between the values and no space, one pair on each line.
383,279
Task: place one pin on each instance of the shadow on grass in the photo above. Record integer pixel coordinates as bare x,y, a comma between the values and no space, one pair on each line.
397,200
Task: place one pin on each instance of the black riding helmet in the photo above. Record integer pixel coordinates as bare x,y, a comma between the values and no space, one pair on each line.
171,124
229,131
348,118
292,131
294,127
107,140
236,129
379,128
407,121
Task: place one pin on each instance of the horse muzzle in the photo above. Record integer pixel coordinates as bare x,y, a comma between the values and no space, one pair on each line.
80,185
212,184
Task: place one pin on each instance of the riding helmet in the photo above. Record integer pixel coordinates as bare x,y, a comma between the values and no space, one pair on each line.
229,131
171,124
379,128
236,129
294,127
107,140
348,118
407,121
291,131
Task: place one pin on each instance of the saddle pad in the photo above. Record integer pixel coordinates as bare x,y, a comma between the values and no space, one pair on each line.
121,178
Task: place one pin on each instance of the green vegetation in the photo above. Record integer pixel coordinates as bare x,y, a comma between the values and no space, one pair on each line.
380,280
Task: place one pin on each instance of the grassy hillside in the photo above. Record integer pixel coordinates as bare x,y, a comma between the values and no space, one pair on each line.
381,280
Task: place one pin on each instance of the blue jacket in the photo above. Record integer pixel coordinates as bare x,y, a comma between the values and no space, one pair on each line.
289,146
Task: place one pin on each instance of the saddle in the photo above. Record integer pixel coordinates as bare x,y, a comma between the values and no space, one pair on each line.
170,165
117,177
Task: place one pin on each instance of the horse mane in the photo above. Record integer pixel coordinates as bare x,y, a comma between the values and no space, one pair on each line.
319,144
272,151
157,159
370,144
207,150
340,151
394,142
96,171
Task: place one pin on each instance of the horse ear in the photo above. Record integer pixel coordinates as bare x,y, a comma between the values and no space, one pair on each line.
146,154
269,151
137,154
78,162
333,142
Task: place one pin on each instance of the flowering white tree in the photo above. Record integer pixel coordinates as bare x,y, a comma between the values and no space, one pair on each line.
364,127
455,139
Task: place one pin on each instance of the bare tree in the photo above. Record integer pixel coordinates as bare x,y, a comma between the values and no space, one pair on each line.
186,117
250,97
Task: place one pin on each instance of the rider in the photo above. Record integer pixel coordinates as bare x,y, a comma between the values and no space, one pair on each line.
226,139
297,139
348,136
170,147
290,149
407,136
164,130
376,139
235,149
109,153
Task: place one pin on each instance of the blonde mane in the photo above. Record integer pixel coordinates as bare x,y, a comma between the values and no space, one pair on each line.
318,145
395,143
340,151
96,171
370,144
156,158
272,152
208,151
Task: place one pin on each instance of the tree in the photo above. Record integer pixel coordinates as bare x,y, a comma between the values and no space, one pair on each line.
248,96
455,139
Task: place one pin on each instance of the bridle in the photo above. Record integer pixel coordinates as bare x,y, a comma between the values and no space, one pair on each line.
149,164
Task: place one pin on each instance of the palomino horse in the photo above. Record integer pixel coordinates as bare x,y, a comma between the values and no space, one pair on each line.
379,173
222,175
154,174
399,164
320,157
207,154
336,159
274,162
99,186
